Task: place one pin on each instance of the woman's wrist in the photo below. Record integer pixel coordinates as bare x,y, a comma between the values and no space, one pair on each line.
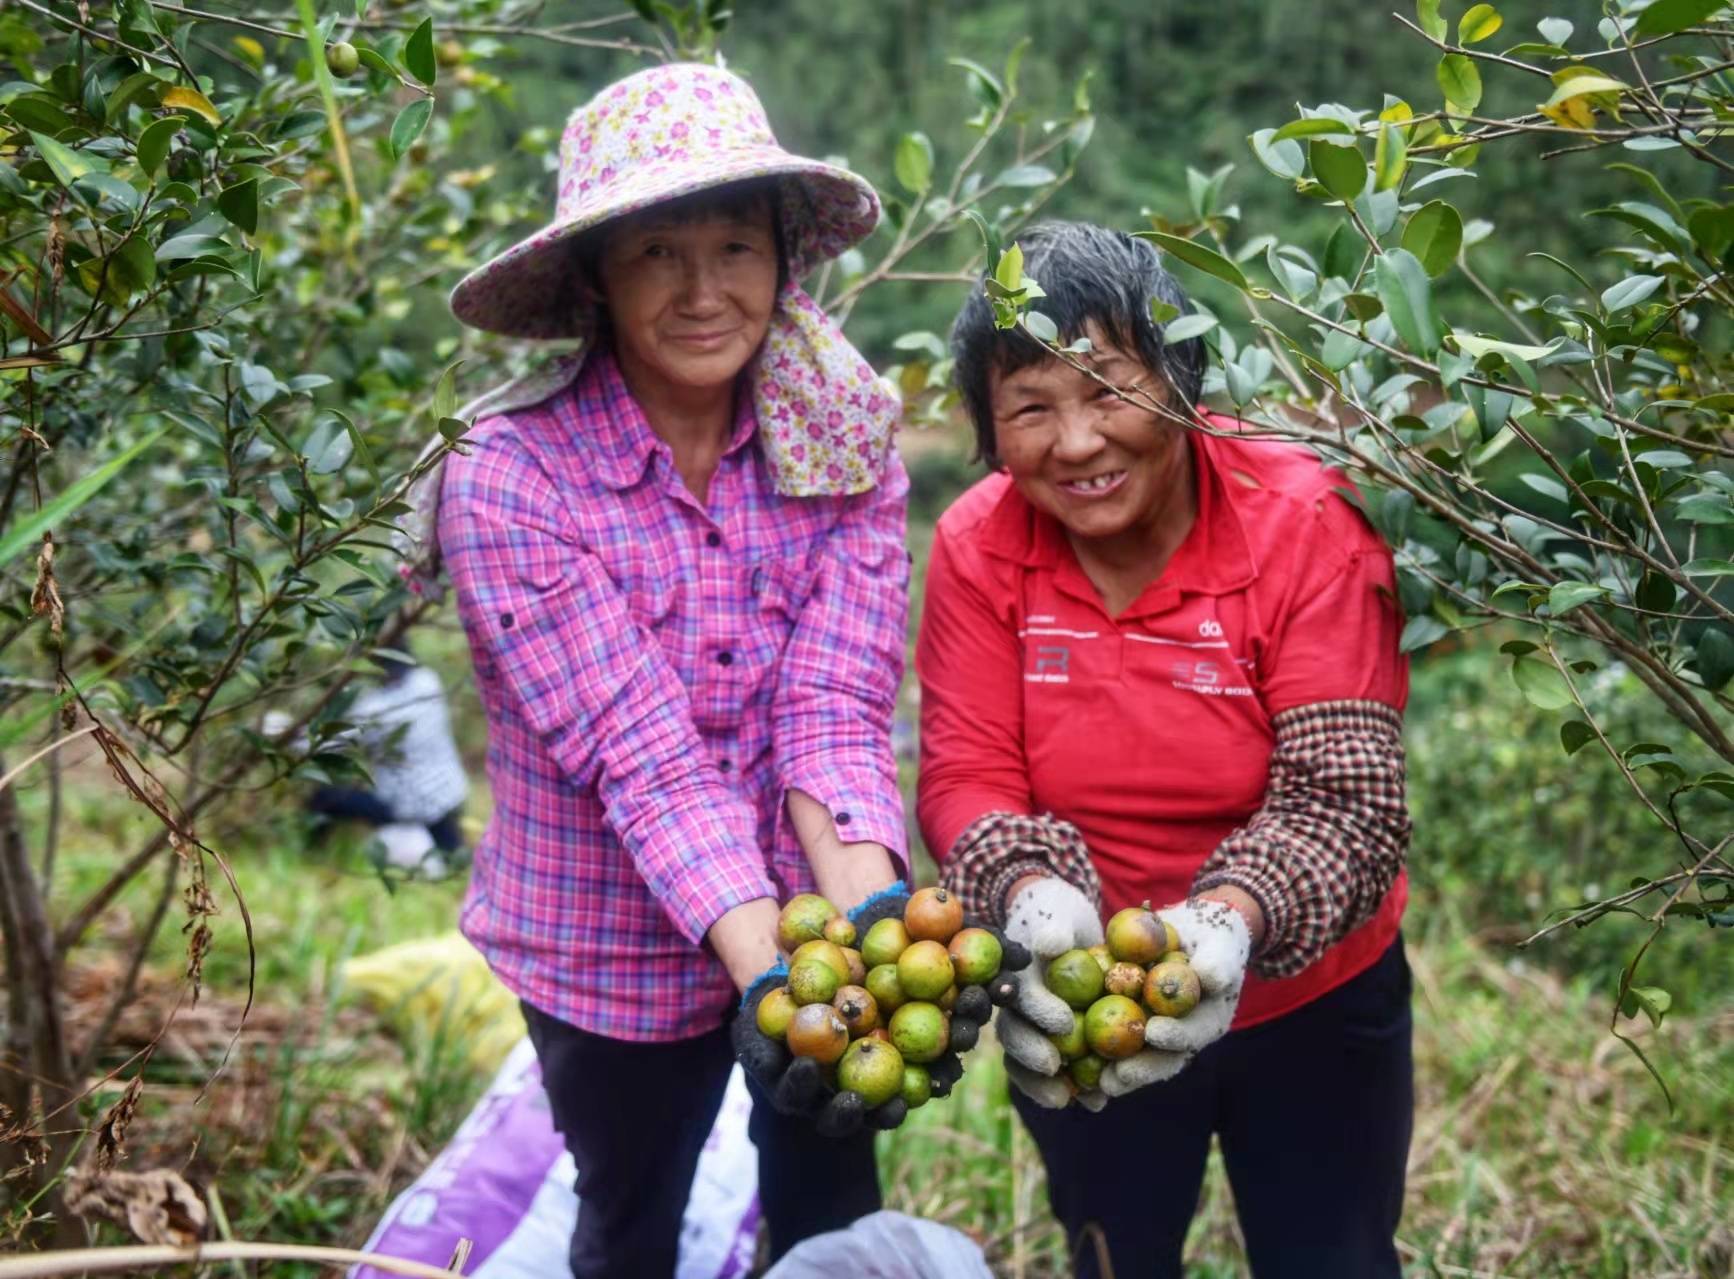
1244,903
744,938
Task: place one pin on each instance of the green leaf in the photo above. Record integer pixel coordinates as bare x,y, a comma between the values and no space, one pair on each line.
1285,159
1390,158
409,124
1418,632
1554,30
1187,327
445,401
418,53
1428,19
1708,568
1576,86
68,165
1041,327
1313,127
1402,286
1435,236
154,143
1630,291
1481,21
328,447
1161,312
1025,175
1541,683
240,204
1196,255
1653,1000
1565,596
1665,17
982,82
1714,656
1460,81
27,533
190,246
913,163
1009,273
1574,735
1340,170
1476,347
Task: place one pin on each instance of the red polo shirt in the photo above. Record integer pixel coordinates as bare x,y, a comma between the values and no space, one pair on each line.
1151,731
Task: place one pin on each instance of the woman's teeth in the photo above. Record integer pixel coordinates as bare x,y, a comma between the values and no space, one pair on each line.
1095,484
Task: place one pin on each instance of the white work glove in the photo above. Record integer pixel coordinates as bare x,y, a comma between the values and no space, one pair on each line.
1217,943
1049,917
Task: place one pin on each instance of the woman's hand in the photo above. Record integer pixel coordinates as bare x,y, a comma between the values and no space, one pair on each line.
1217,938
745,939
1048,917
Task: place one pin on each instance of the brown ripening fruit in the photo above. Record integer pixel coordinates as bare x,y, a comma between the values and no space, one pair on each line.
933,915
817,1031
1103,956
858,1009
803,919
776,1010
924,970
1124,979
826,952
975,956
857,974
840,931
1114,1027
1136,936
1172,990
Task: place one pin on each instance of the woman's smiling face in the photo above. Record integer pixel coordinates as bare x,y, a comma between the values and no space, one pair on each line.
690,299
1104,466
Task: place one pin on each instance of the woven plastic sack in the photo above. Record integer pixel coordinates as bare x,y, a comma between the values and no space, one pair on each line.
440,986
505,1180
885,1245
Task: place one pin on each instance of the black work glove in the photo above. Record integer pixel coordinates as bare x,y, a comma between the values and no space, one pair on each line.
801,1085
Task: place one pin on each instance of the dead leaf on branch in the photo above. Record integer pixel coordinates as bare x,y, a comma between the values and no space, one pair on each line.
158,1206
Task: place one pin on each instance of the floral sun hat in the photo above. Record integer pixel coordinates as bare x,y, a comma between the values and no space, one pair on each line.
825,419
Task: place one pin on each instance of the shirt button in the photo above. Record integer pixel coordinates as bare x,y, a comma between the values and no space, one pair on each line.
724,764
506,621
842,819
725,658
713,538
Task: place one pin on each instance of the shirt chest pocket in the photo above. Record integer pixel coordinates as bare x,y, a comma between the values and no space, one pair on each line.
778,589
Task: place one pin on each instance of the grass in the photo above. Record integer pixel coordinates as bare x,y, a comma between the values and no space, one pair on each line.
1541,1147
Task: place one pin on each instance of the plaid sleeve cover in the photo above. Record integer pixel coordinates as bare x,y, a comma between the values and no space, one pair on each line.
998,849
1331,837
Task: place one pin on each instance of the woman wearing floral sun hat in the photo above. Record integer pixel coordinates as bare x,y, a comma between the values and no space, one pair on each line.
680,566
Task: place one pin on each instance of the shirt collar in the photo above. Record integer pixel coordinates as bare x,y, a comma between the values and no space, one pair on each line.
615,430
1215,558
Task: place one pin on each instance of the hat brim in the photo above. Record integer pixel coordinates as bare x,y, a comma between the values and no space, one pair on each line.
531,290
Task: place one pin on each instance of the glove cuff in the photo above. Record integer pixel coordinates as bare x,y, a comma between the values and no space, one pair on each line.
885,902
774,976
998,849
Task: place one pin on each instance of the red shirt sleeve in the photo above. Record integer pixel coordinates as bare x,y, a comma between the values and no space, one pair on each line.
970,664
1336,637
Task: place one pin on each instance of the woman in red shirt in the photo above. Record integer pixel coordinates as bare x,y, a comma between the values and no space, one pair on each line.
1161,664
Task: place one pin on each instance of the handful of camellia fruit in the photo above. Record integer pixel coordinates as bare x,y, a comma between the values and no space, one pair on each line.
883,1012
1139,971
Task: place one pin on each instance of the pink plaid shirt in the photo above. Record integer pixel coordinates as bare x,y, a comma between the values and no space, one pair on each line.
657,675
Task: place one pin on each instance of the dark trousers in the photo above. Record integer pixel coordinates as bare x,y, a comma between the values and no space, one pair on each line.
635,1117
1314,1111
364,805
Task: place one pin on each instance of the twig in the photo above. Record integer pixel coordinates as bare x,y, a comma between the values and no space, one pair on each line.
49,749
45,1265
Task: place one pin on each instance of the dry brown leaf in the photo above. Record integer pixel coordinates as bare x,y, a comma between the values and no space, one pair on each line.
158,1206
